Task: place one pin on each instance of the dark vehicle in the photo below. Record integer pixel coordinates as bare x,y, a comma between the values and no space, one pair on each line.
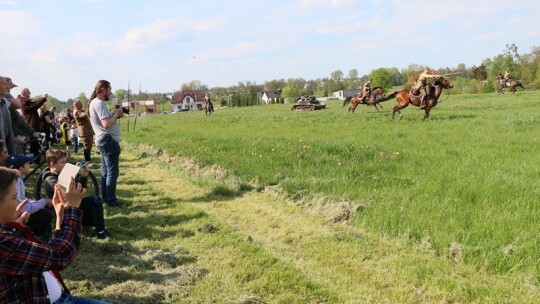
306,103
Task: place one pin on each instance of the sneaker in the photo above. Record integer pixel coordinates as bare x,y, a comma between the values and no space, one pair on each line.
103,234
113,204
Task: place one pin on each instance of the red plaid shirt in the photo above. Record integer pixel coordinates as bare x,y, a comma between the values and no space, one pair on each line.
22,261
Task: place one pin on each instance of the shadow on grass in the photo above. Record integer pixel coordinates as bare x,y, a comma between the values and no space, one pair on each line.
222,193
124,273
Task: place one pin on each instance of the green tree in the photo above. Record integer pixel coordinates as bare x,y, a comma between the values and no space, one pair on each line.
381,77
337,75
290,91
83,99
194,85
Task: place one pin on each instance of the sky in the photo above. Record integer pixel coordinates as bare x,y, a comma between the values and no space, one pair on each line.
63,47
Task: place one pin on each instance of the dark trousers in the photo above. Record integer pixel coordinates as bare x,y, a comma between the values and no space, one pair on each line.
92,208
40,223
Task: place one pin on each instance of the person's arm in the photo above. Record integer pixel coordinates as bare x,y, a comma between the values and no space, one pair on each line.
22,256
29,105
34,206
108,122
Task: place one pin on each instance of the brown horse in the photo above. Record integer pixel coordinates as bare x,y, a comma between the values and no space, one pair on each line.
512,84
404,98
377,96
208,107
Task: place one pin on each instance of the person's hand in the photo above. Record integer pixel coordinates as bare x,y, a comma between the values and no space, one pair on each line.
19,141
21,216
119,112
73,194
57,202
36,134
83,171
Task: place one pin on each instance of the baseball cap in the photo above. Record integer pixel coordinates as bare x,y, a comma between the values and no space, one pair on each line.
17,160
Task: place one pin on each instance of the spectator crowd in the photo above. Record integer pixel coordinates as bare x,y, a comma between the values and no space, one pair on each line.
32,132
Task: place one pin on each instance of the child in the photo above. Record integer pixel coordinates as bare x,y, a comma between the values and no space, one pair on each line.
74,137
66,127
91,206
40,217
29,268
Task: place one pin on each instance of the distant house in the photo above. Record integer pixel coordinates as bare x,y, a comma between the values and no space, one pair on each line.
188,99
142,107
270,97
342,94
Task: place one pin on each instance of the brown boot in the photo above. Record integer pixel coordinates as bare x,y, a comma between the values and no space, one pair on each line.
422,102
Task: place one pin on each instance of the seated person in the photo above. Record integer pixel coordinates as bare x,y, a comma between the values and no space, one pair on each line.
92,206
28,267
40,215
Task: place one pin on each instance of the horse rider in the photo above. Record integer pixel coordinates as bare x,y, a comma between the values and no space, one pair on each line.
366,90
423,85
506,76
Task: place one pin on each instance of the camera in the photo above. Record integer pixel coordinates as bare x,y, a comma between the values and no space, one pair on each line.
124,109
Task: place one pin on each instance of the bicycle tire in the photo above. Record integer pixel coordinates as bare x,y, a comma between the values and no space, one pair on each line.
93,190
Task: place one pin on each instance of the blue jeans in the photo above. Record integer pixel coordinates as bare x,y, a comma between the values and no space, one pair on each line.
110,159
66,298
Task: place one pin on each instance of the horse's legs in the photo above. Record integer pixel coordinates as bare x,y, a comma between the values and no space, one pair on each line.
426,113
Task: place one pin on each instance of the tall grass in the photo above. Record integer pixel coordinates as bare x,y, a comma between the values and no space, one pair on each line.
465,182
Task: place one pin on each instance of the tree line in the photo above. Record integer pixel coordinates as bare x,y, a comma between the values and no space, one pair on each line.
474,79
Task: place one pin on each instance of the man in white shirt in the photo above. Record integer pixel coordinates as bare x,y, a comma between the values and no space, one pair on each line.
107,133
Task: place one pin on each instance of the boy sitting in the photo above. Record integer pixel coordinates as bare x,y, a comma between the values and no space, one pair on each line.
40,216
29,268
91,206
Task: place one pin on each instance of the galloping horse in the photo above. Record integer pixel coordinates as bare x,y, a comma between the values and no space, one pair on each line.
404,98
377,96
512,84
208,107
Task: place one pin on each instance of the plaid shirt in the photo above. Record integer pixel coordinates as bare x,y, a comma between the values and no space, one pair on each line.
22,262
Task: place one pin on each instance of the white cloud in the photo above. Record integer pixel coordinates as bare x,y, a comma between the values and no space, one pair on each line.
320,4
8,2
17,25
238,50
164,30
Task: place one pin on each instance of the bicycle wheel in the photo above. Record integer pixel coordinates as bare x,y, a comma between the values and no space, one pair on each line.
90,183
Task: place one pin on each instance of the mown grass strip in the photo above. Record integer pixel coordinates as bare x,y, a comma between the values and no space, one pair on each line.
268,250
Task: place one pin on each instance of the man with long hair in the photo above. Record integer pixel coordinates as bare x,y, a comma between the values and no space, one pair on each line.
107,133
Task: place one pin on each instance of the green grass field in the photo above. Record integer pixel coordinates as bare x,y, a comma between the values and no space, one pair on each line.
468,177
265,205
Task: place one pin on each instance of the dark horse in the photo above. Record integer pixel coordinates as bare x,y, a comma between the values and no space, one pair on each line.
404,98
208,107
512,84
377,96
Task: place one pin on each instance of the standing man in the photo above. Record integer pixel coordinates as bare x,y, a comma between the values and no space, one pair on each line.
30,109
84,129
107,139
6,128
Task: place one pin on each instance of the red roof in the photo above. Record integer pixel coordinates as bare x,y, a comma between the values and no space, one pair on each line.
198,96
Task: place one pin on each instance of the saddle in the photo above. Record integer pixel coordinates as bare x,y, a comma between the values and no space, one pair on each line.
415,93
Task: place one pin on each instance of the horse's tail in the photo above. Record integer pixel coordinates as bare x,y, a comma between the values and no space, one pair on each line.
520,84
347,100
388,97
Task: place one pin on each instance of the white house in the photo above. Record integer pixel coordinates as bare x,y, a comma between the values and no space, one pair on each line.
188,99
342,94
270,97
